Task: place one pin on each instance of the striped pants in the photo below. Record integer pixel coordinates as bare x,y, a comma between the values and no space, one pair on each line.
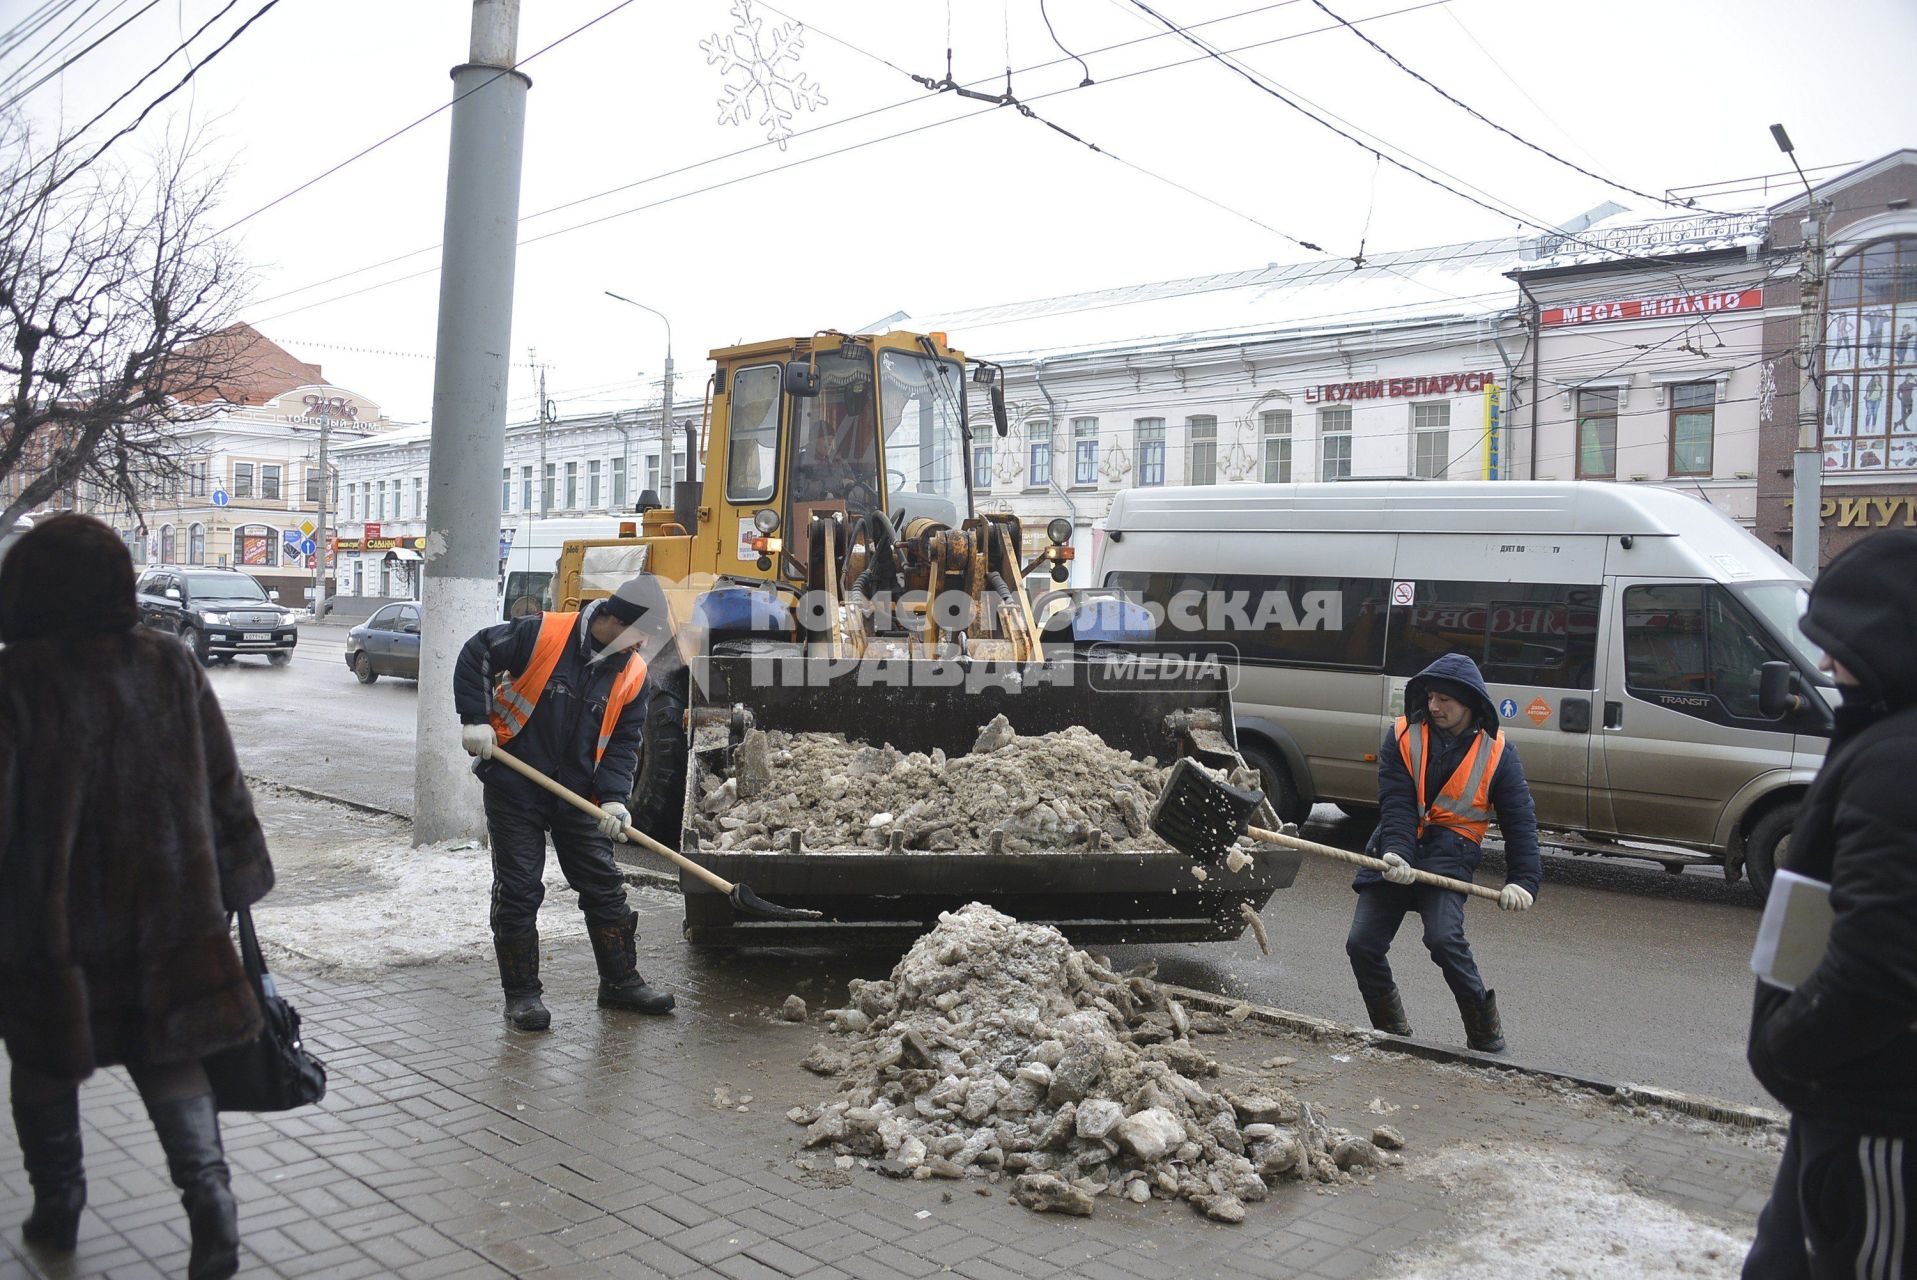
1840,1209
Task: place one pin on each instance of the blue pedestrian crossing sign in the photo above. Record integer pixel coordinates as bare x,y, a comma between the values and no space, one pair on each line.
1508,708
219,498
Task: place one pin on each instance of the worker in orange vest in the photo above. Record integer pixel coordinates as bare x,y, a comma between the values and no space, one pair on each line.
1444,770
567,694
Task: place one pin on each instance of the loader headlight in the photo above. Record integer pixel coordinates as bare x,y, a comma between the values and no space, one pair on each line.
1059,531
766,520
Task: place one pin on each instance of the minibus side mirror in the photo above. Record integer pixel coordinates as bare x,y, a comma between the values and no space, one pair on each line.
1775,696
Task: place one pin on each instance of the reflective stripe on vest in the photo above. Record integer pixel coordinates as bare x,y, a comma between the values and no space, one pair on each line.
515,698
1464,802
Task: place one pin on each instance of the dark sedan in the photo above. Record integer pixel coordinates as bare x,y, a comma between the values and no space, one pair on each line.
386,644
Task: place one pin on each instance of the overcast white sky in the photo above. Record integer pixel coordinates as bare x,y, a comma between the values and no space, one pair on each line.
941,203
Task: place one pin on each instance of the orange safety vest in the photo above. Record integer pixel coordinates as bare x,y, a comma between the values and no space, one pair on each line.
515,698
1464,802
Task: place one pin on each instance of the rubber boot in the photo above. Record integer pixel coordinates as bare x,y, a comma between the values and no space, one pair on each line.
519,976
1387,1012
189,1130
1482,1029
49,1134
615,947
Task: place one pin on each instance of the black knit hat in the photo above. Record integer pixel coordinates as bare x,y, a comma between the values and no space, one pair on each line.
69,574
633,599
1456,690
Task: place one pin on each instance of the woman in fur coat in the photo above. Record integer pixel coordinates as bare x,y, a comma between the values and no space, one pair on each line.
126,835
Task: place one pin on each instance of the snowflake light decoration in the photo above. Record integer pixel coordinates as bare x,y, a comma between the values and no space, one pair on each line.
768,95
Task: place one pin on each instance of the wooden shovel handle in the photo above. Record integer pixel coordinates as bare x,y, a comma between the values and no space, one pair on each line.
633,833
1365,860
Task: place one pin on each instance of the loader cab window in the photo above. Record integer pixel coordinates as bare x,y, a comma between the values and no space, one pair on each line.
923,407
753,451
835,455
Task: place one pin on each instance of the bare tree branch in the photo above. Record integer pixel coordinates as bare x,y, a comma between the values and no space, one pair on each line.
116,316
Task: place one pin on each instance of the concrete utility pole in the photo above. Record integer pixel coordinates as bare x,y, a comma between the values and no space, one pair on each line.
319,531
1807,461
461,562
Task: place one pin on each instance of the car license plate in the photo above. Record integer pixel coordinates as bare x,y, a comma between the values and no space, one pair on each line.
257,635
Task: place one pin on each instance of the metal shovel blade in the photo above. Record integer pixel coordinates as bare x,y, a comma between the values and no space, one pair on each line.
1200,815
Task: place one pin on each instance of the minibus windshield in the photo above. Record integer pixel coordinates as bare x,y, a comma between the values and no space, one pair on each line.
1778,605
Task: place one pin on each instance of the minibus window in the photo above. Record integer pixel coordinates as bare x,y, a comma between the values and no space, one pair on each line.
1534,633
1778,605
1278,620
1693,649
528,593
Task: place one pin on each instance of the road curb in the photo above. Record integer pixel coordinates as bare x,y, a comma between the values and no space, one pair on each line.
1734,1114
1729,1113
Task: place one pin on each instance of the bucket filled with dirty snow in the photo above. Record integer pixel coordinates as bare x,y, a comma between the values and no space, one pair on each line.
995,1050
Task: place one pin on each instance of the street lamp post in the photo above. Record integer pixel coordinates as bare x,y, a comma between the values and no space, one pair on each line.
665,416
1807,464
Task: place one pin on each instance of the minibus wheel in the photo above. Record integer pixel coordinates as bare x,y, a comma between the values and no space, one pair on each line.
1766,846
1279,787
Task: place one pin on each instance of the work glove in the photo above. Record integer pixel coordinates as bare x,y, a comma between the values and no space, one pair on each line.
613,825
1397,870
478,739
1513,898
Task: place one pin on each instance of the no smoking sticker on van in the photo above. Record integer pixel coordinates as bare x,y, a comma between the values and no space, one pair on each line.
1539,711
1403,593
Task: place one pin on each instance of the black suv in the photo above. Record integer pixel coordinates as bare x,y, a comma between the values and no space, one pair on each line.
217,613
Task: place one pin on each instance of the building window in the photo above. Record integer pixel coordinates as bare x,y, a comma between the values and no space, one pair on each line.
166,544
652,473
1084,450
1149,435
572,486
269,482
525,489
419,497
352,502
1693,426
618,484
255,546
1038,453
1597,435
505,488
1201,435
678,467
196,479
312,484
1870,360
592,484
1334,443
382,499
549,492
981,467
1275,428
242,479
1431,439
196,544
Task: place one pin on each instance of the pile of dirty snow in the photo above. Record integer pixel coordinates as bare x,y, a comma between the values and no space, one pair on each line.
1068,789
384,904
996,1048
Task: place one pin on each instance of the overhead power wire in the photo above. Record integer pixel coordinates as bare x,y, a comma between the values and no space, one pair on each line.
36,22
1479,116
156,68
407,128
83,53
1061,45
1452,13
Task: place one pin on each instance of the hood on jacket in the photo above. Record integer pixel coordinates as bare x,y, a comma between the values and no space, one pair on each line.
1461,670
1863,612
68,574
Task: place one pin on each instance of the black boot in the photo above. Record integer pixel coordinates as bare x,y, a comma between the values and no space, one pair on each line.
49,1134
1482,1029
1387,1012
615,947
189,1130
519,975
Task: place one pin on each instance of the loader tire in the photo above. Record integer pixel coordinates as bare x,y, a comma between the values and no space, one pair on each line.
659,792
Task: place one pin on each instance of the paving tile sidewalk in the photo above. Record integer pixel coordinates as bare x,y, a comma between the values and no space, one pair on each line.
449,1145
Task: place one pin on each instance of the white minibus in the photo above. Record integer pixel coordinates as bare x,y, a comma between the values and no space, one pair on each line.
1642,647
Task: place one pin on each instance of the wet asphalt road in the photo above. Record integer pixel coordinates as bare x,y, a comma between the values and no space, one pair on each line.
1622,971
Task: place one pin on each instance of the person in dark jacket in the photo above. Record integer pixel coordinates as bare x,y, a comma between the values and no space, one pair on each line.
1434,819
1840,1051
566,693
126,836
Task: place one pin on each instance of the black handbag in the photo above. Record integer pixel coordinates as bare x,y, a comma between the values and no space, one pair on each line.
273,1072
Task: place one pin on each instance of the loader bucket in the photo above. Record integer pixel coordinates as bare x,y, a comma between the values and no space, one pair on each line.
887,899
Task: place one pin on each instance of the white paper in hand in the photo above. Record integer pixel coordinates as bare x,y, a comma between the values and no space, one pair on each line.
1795,930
